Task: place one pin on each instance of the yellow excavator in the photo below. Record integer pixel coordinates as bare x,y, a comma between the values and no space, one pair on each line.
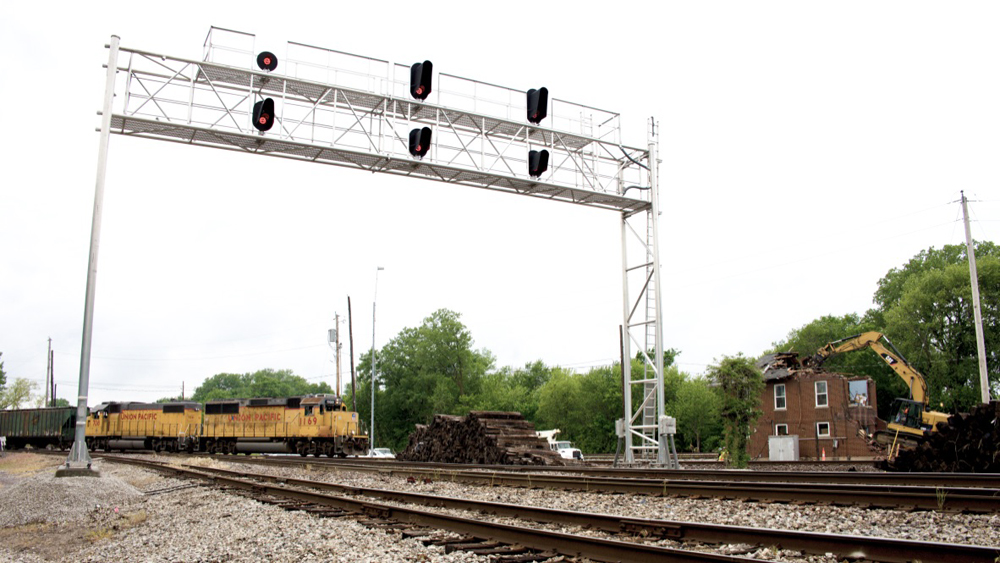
909,417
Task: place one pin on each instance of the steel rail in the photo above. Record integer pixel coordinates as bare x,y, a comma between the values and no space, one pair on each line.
571,545
943,498
869,548
980,480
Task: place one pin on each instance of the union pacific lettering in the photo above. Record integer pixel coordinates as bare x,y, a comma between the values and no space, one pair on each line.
262,417
138,416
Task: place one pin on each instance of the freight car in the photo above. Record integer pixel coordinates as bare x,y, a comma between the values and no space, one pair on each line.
39,428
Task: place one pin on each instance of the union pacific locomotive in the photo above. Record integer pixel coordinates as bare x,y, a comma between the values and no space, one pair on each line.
312,424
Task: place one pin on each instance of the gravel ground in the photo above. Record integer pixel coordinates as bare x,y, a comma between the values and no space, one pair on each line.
121,516
134,514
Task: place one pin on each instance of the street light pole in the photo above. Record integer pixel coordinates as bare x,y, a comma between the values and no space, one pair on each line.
371,431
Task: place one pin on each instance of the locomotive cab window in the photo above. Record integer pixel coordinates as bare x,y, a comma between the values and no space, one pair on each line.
167,409
308,411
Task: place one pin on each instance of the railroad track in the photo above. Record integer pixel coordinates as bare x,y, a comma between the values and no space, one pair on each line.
852,491
627,539
983,480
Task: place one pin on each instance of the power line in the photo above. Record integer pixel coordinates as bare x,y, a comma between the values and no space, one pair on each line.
200,358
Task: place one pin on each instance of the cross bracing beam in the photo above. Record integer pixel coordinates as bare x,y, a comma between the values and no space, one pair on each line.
208,104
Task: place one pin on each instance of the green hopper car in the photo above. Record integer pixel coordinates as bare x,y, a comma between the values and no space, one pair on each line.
39,428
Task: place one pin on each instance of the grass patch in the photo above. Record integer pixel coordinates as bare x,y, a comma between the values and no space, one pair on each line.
26,464
94,536
135,519
142,481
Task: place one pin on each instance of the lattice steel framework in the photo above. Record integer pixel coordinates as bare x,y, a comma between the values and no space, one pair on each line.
347,110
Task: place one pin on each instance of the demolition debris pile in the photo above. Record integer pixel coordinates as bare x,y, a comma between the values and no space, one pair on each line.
483,437
968,442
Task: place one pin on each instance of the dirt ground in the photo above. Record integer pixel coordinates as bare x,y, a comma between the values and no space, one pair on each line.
44,540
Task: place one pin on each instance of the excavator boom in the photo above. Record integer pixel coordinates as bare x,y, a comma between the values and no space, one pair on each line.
891,356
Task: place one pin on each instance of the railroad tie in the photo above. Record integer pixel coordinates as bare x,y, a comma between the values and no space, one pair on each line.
446,541
452,547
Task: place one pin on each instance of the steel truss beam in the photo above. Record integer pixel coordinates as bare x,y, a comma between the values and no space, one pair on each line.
355,112
208,104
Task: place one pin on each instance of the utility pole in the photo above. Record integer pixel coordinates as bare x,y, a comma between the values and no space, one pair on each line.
371,437
350,337
336,335
984,383
48,374
52,374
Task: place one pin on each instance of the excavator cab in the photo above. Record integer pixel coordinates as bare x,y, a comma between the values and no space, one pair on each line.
907,413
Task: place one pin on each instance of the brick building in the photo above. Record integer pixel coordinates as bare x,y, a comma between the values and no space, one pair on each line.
825,410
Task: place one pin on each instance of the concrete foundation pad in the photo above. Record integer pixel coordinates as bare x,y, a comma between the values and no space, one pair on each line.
72,471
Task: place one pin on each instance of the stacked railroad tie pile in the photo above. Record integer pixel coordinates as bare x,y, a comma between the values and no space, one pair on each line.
968,443
483,437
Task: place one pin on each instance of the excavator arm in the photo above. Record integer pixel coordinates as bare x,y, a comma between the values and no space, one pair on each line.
891,356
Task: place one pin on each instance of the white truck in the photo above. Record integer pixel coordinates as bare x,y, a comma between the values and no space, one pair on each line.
564,448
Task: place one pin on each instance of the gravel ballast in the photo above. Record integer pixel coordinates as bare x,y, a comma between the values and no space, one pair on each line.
135,514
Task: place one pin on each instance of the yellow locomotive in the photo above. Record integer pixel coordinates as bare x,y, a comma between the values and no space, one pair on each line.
313,424
143,426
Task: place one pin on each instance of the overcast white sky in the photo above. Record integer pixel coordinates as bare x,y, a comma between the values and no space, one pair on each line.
807,148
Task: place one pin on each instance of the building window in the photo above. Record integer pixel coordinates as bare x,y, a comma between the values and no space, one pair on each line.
779,397
822,429
857,390
821,396
781,430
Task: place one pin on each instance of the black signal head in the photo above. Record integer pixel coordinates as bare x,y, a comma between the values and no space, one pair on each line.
263,114
267,61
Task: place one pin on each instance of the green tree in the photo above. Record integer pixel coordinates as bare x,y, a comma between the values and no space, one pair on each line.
697,409
3,374
17,393
508,389
933,322
600,405
741,385
559,404
891,287
423,371
262,383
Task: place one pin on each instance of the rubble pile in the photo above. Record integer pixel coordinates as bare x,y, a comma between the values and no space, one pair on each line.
968,443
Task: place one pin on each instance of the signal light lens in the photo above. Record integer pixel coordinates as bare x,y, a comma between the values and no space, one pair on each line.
538,163
420,79
538,104
263,114
267,61
420,141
